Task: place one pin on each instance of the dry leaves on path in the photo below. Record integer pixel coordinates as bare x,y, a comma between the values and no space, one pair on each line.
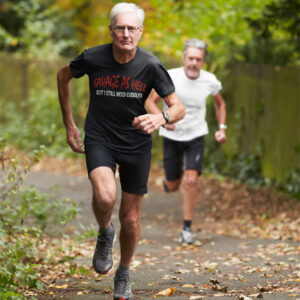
165,293
228,208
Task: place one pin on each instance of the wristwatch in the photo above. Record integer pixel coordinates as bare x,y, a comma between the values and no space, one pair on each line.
166,117
222,126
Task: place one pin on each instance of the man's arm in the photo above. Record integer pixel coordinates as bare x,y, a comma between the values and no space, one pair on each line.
152,107
152,121
64,76
220,108
151,103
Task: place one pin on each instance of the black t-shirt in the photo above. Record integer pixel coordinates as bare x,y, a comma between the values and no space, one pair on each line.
118,93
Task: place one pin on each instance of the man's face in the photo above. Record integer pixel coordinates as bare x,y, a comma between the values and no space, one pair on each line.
126,31
193,61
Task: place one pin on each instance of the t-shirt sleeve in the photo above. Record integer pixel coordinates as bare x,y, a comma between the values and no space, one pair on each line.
77,66
216,86
162,81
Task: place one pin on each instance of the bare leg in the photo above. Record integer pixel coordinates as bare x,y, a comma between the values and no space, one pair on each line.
104,194
190,183
173,185
130,213
104,198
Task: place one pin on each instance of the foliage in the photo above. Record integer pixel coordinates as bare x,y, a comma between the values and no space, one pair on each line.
275,35
291,183
86,233
89,19
40,123
30,28
221,24
252,31
24,215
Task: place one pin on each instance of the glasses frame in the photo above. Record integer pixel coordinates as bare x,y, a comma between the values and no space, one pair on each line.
130,29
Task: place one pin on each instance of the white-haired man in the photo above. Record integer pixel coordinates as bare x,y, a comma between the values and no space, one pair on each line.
184,142
117,131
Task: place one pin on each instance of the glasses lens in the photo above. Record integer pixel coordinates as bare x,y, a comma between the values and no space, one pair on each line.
129,28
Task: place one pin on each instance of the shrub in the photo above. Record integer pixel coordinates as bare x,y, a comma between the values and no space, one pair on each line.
24,215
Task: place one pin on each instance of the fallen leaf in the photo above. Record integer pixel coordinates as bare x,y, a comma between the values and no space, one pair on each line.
170,277
243,297
188,285
214,281
64,286
166,292
219,288
181,271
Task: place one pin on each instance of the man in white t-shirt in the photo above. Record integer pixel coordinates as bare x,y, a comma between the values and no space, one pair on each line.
184,141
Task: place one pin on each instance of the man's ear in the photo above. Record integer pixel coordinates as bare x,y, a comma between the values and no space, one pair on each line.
141,32
110,30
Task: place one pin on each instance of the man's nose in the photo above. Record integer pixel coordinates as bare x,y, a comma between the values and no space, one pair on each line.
125,32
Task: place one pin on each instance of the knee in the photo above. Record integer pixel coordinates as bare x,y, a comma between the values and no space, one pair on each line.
190,181
130,221
173,186
104,197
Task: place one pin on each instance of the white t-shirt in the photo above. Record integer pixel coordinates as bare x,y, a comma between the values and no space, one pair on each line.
193,94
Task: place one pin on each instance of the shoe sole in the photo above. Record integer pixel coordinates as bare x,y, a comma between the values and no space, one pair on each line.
108,271
122,298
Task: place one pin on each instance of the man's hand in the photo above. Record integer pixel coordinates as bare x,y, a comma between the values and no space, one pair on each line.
149,122
220,136
74,140
170,127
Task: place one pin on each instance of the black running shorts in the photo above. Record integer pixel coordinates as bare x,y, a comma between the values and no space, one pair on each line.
133,168
181,156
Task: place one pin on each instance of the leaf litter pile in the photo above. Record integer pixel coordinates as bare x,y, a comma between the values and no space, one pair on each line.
252,269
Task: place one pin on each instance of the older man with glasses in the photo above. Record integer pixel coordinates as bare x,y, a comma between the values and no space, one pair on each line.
184,142
117,131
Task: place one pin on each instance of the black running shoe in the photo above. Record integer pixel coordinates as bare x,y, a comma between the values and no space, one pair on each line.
166,189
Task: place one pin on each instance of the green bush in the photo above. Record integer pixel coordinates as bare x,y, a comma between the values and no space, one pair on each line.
39,122
24,215
291,183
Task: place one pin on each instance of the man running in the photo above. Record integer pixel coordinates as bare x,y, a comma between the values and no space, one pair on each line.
184,142
117,131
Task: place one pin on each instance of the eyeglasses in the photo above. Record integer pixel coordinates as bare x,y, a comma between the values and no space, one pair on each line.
131,29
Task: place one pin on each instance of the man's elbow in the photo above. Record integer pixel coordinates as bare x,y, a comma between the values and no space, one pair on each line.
147,105
60,76
64,75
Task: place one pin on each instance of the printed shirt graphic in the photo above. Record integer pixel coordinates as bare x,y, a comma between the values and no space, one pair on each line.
118,93
193,94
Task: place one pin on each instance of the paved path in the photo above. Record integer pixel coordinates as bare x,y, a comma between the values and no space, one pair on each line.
217,267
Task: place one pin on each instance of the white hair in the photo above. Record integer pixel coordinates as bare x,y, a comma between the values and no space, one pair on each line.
124,7
195,43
